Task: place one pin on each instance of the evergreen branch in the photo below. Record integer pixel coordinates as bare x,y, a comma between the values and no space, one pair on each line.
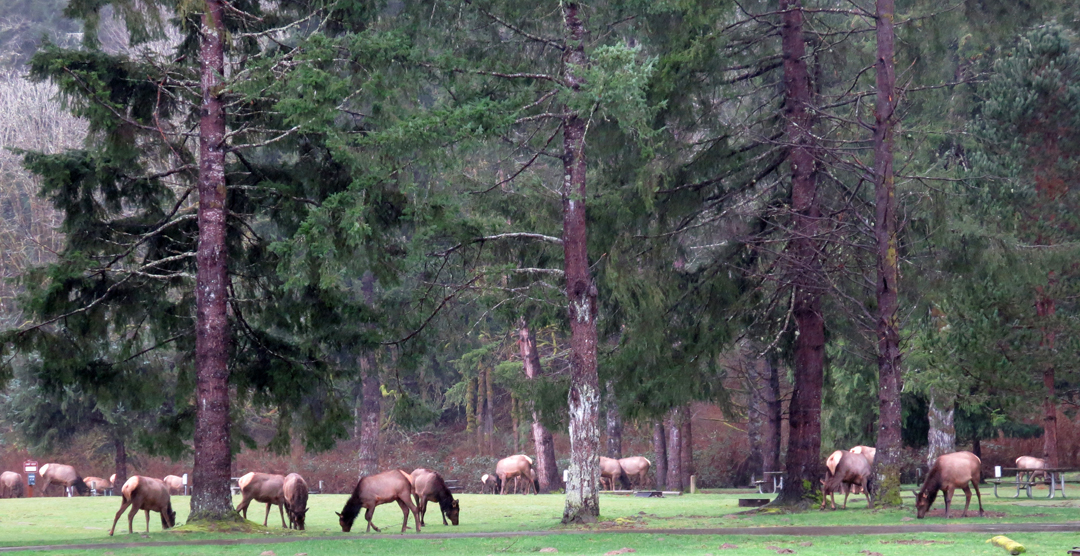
509,235
542,76
555,271
543,116
524,167
283,135
73,312
153,347
550,42
427,321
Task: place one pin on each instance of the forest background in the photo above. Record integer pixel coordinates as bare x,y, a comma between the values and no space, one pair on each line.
397,237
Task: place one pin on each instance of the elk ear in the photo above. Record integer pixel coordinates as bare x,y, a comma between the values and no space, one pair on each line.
338,514
822,481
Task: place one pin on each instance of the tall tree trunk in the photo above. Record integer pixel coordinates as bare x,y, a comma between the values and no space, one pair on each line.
547,467
660,455
121,462
614,422
370,394
211,499
887,462
757,423
686,447
368,455
776,418
489,412
804,438
515,423
674,449
481,406
1045,307
470,406
942,434
582,490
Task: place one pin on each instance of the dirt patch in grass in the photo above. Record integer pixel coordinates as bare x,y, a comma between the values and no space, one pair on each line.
957,514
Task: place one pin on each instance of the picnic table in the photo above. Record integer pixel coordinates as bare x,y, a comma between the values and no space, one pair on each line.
777,481
1056,475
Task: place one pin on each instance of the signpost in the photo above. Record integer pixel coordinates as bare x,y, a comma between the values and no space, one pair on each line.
30,466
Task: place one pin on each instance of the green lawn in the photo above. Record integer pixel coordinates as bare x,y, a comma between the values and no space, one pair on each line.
41,521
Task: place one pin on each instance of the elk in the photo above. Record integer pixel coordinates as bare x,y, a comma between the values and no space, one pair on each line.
65,475
636,467
851,469
373,490
949,472
147,494
295,491
263,487
514,467
428,486
11,485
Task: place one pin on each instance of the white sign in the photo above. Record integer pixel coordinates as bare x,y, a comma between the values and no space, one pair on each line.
184,479
997,471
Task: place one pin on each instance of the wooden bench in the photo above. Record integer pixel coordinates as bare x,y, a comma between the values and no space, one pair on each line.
453,485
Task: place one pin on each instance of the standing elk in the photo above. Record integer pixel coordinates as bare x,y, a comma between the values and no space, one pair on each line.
610,469
175,484
489,482
98,484
64,475
428,486
11,485
514,467
950,471
636,467
1033,467
373,490
147,494
851,470
295,491
262,487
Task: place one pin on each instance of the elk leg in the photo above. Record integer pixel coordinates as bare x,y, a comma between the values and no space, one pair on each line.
281,510
267,516
123,506
847,492
502,479
967,502
131,518
242,508
367,515
948,500
421,509
979,495
147,512
415,512
869,502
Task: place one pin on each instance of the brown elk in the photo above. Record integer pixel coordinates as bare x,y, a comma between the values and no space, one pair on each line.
147,494
175,484
11,485
636,467
851,470
64,475
610,469
262,487
514,467
950,471
489,482
428,486
295,491
867,452
373,490
97,483
1032,467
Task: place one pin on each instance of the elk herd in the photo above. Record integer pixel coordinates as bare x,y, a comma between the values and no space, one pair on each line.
848,472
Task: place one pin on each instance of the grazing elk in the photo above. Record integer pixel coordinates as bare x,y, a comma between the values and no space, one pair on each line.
296,492
514,467
373,490
867,452
98,484
851,470
11,485
147,494
1033,467
489,482
428,486
64,475
262,487
636,467
610,469
950,471
175,484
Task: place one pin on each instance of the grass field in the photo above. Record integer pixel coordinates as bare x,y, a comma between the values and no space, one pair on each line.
50,521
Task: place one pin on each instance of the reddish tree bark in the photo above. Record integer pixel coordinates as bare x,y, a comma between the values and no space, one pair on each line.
674,449
211,498
660,455
121,463
614,422
582,490
804,444
546,466
887,463
370,396
686,447
1045,309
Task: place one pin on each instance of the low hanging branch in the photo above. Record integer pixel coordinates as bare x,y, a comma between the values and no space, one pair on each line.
510,235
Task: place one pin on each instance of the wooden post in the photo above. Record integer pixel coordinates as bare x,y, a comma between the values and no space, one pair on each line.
693,484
